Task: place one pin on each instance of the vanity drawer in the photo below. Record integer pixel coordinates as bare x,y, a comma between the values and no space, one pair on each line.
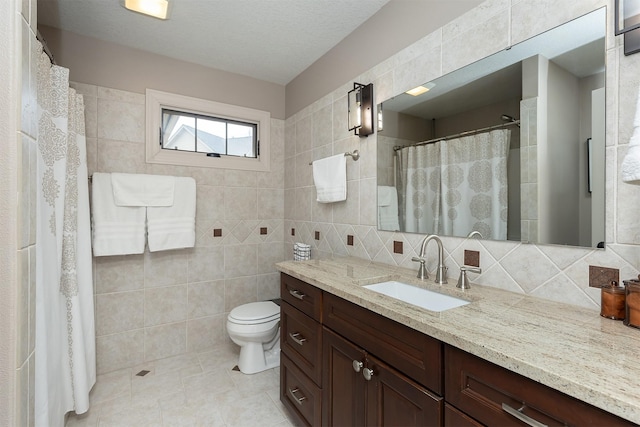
301,295
480,388
413,353
455,418
301,341
299,394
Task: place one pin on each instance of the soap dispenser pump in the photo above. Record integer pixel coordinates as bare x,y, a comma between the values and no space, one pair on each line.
463,280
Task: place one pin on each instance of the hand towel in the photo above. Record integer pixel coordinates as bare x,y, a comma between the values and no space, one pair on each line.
173,227
631,163
330,178
385,194
388,213
117,230
142,190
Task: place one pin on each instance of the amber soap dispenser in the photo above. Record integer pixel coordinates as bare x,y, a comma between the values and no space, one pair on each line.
612,301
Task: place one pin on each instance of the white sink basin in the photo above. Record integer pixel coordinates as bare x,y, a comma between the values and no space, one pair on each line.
432,301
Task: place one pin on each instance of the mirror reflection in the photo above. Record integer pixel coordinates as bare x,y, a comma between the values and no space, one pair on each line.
510,147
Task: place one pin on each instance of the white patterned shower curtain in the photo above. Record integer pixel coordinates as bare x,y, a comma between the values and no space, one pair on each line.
65,333
419,188
456,186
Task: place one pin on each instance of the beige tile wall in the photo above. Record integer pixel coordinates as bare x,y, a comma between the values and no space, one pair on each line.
551,272
25,358
162,304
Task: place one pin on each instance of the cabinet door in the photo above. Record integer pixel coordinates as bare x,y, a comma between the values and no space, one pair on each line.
393,399
343,394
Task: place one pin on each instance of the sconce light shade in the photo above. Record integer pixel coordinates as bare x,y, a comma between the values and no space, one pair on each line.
628,24
360,105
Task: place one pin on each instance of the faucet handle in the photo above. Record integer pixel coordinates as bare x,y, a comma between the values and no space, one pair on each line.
463,280
422,270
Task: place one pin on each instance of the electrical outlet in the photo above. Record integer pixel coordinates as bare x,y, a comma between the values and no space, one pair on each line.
397,247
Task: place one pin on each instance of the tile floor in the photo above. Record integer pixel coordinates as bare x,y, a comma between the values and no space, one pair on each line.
198,389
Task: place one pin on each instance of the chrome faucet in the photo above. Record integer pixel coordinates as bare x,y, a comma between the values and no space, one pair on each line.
441,273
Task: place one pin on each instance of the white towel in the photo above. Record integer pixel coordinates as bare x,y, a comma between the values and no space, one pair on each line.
173,227
117,230
330,178
631,163
385,195
142,190
388,213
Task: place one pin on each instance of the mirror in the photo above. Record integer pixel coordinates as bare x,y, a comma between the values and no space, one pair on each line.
510,147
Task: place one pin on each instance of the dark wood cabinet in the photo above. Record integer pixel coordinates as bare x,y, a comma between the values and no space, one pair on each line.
361,390
301,350
344,388
495,396
300,340
413,353
344,365
301,396
455,418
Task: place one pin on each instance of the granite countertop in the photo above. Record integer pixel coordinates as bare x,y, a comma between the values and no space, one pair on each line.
569,348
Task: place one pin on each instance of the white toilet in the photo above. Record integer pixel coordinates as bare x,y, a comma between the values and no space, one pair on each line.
255,327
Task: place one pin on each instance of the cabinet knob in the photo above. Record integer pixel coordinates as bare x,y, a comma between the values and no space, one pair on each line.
368,374
357,365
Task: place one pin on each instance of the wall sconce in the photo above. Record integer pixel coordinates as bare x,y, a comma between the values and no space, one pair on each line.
628,24
360,106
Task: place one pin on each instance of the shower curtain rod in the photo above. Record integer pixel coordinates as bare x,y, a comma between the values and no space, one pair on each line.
45,47
457,135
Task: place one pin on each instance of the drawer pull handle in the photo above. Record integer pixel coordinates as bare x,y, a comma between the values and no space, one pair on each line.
299,400
299,339
368,374
522,417
357,365
296,293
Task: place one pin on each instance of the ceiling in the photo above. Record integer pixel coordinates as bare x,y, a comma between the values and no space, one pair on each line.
271,40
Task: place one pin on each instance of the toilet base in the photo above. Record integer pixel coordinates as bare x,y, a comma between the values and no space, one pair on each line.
253,358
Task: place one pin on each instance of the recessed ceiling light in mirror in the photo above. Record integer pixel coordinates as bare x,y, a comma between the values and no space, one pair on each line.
416,91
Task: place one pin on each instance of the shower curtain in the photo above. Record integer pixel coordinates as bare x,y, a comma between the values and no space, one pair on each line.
419,188
456,186
65,334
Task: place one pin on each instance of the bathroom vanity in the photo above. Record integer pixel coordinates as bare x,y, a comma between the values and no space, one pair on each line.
351,356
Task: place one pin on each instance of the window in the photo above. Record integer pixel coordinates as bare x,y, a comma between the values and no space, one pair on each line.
195,132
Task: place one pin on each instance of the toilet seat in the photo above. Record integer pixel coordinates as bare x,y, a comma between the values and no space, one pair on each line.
255,313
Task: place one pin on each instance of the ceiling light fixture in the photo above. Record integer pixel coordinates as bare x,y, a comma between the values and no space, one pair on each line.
421,89
156,8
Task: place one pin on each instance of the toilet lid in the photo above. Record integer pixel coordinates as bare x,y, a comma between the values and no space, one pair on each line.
256,312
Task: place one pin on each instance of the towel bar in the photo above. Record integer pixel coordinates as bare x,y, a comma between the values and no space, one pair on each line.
355,156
